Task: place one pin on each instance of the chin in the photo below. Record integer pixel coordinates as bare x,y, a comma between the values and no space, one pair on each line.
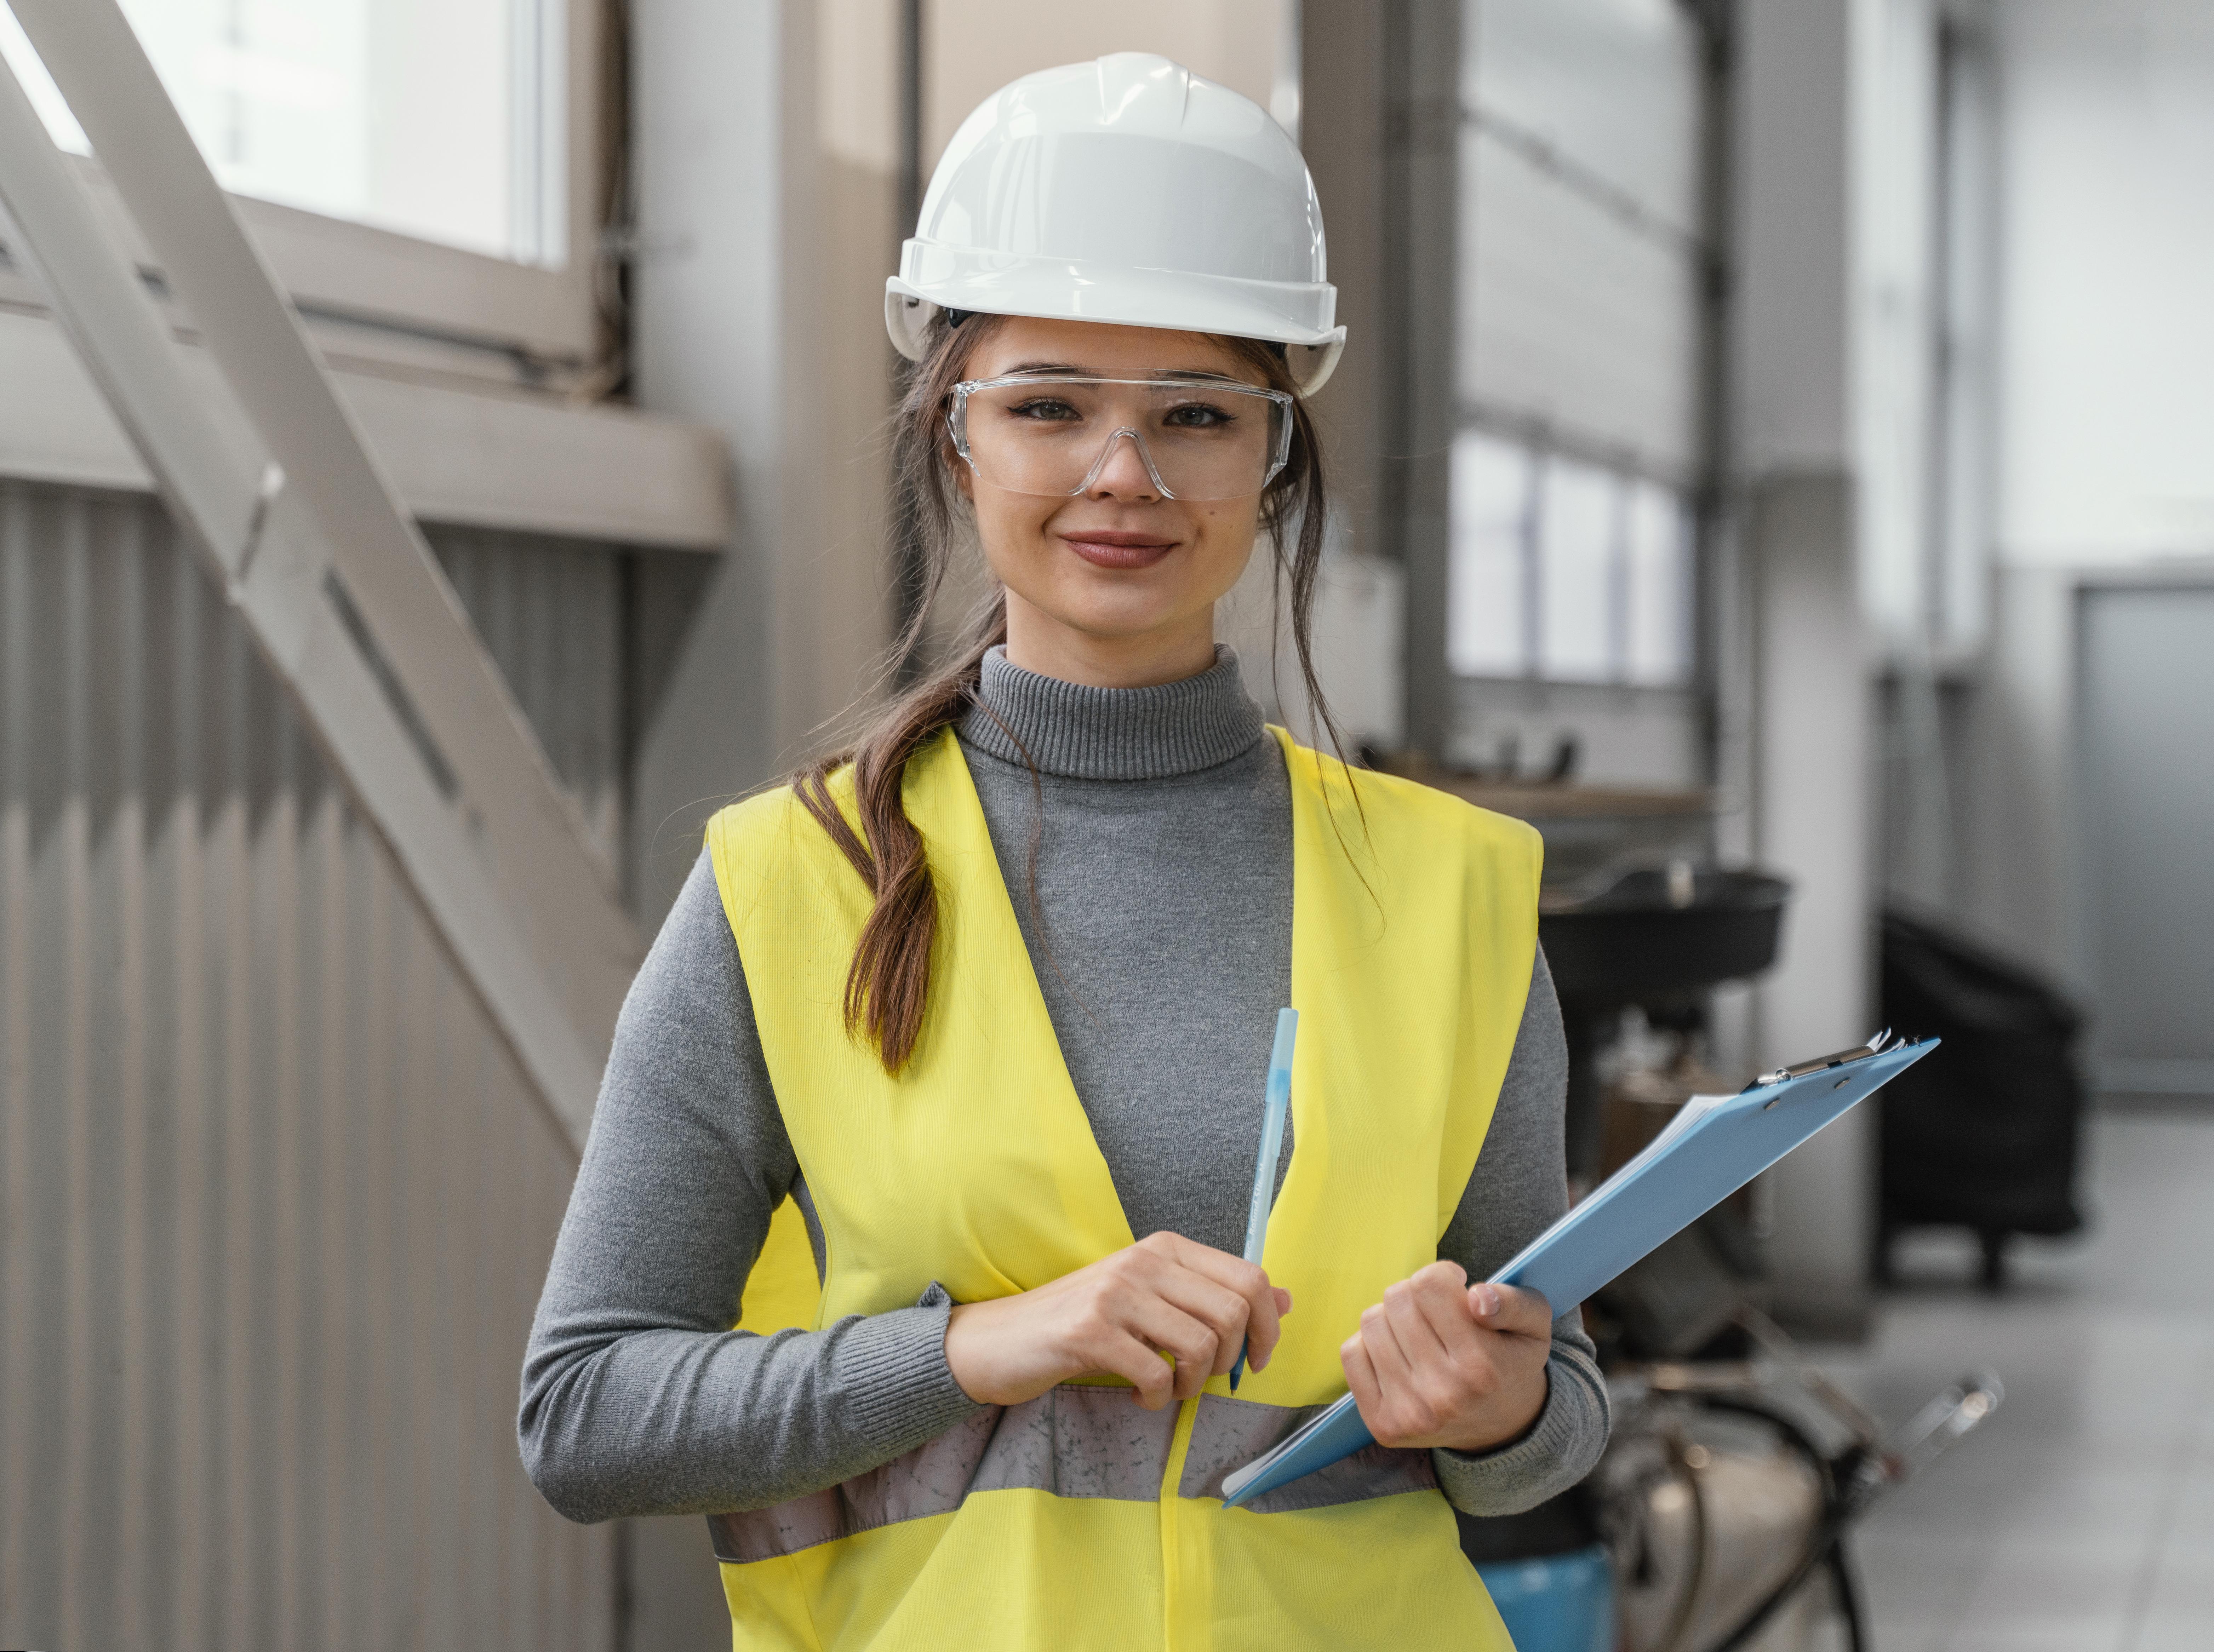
1115,603
1116,625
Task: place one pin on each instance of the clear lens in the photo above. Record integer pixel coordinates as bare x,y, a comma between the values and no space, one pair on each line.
1059,436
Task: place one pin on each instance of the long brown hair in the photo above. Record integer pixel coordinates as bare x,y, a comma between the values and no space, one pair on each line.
888,983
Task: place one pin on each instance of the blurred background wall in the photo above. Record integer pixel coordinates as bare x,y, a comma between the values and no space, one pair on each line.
277,1199
1784,418
2080,733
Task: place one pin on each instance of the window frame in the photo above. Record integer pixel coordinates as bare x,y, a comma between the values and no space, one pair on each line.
1539,449
413,289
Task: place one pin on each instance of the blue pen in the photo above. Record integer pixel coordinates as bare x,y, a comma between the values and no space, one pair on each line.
1278,1106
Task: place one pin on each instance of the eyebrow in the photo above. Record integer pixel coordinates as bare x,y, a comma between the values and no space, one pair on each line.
1197,375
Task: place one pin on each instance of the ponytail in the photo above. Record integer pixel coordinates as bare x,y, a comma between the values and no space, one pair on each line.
888,984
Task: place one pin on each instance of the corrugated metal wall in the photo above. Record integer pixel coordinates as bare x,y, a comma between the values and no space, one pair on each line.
274,1200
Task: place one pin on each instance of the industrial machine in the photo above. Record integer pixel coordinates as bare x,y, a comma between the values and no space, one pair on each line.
1718,1519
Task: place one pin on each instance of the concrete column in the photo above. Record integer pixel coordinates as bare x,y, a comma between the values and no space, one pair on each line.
1811,801
1342,116
713,134
1796,478
1380,125
757,295
1421,359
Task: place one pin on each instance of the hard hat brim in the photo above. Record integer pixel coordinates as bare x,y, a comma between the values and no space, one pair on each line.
1295,314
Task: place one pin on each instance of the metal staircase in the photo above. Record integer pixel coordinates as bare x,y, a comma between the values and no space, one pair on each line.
270,479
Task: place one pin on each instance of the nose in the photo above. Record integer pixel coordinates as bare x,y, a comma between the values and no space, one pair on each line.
1122,472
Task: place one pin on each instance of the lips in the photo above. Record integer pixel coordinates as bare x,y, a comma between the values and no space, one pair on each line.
1108,549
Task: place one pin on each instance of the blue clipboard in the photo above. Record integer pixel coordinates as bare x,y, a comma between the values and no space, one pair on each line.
1713,1146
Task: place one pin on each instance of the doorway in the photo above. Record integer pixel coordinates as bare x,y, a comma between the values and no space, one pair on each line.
2146,770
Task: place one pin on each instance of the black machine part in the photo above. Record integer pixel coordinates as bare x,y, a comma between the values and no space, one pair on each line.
1661,934
1984,1134
1659,937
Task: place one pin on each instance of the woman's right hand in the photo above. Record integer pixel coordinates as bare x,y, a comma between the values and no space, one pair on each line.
1164,1294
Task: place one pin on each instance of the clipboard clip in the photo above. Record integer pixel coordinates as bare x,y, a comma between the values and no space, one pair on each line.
1858,1053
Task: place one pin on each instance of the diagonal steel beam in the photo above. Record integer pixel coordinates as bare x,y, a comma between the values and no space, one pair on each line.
271,482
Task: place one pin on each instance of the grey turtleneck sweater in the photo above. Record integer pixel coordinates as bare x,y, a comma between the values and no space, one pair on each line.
1149,856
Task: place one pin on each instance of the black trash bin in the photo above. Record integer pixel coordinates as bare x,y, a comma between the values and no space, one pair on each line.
1982,1134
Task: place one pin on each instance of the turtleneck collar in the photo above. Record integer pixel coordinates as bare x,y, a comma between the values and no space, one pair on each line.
1079,732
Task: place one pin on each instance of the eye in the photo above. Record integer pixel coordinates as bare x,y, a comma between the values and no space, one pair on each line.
1045,410
1198,416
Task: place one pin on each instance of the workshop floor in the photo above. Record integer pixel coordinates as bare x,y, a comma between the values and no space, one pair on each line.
2081,1518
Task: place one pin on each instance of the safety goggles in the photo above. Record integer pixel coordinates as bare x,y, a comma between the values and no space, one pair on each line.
1054,434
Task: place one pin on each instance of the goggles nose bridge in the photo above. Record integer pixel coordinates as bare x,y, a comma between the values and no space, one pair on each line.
1107,452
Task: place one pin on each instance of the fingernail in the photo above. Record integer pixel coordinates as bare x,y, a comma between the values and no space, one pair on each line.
1487,1300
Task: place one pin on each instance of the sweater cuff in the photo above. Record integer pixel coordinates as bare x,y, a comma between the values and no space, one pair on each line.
1558,1449
893,1365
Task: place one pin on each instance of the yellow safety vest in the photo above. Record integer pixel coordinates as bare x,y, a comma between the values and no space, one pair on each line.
1081,1520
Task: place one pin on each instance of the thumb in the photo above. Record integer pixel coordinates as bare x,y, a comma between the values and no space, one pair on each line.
1507,1308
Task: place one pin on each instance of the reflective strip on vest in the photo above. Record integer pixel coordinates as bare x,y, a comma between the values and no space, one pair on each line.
1077,1441
1080,1519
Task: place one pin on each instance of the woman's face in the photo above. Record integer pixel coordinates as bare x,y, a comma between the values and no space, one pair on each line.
1116,585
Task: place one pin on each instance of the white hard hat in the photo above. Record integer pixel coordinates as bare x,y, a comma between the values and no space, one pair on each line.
1128,190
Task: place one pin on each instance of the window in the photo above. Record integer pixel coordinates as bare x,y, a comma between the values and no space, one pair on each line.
359,130
1656,599
1485,597
1578,537
1565,570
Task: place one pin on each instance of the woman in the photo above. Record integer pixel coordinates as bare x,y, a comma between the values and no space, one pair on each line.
949,1058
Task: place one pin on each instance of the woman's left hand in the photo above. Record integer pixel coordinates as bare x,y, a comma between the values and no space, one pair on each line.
1441,1363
